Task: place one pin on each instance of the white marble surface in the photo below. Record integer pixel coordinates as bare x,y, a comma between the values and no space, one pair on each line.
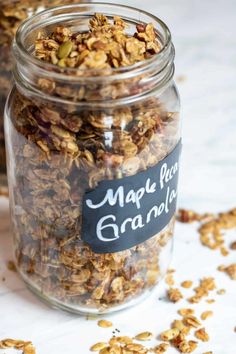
204,36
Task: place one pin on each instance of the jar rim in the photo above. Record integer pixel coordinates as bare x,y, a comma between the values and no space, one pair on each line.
20,51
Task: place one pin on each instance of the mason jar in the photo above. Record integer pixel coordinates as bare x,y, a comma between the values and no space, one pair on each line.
93,160
12,14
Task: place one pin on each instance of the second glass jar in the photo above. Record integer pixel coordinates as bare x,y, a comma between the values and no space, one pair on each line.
12,14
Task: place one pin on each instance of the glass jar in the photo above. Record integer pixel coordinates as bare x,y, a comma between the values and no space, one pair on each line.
92,168
12,14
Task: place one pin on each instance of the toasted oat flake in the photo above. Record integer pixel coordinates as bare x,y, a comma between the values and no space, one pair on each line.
202,335
98,346
134,347
231,271
210,301
187,346
111,350
26,346
191,321
186,311
29,349
161,348
224,251
206,314
187,284
178,324
221,292
169,279
144,336
120,340
105,324
169,334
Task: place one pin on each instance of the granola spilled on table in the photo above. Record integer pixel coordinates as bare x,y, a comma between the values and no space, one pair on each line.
26,346
62,150
212,227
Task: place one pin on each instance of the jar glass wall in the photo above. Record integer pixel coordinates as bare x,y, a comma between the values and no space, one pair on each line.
68,134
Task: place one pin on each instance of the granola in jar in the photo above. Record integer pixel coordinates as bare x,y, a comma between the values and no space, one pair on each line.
93,141
12,14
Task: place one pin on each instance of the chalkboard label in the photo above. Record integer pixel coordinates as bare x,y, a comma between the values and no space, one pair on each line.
122,213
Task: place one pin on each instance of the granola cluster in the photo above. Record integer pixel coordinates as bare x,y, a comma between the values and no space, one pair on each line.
106,45
62,150
25,346
212,227
12,14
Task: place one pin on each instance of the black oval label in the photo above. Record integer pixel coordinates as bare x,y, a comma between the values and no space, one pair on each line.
122,213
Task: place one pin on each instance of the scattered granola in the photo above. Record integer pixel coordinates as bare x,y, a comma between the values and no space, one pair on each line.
202,335
215,229
105,324
212,227
98,346
191,321
161,348
206,285
224,251
169,279
186,346
144,336
26,346
187,284
185,312
206,314
170,334
230,270
180,329
174,294
210,301
189,216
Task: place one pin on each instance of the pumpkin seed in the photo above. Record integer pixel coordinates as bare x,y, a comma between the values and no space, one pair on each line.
65,49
